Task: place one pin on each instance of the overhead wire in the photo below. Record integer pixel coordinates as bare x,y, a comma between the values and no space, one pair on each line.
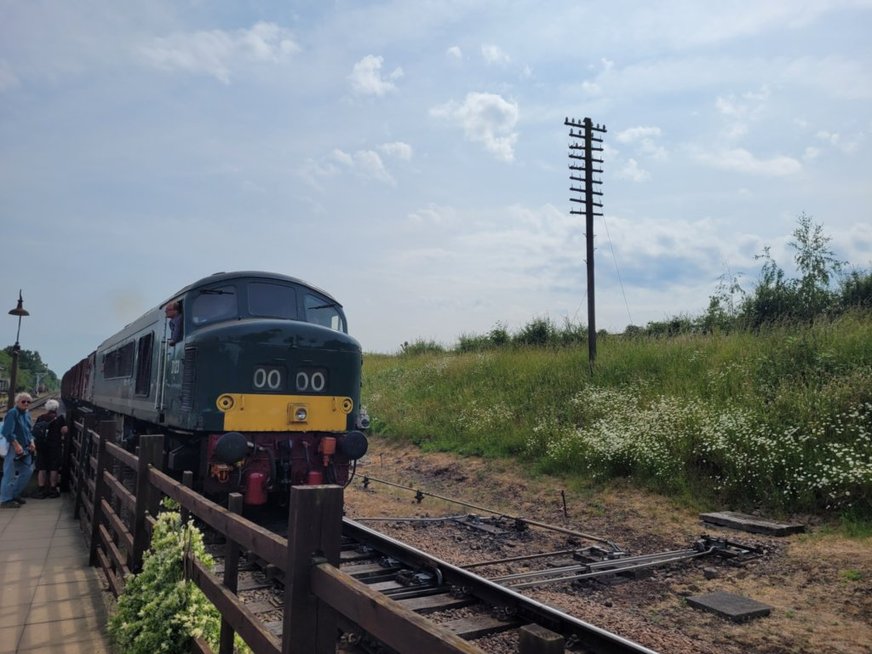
617,271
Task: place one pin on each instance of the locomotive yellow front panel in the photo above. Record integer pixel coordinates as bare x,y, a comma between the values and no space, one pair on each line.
250,412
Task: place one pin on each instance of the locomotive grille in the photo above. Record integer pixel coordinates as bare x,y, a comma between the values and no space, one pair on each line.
188,378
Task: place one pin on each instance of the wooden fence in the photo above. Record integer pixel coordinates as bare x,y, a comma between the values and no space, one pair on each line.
118,494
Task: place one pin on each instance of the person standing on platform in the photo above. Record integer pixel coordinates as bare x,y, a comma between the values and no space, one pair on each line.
18,464
48,431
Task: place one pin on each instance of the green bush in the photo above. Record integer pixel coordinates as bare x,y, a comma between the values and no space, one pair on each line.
161,610
779,418
420,347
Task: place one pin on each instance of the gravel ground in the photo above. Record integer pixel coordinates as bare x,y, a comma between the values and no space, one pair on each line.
818,585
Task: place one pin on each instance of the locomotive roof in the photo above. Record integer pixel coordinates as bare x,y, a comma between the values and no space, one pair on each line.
226,276
211,279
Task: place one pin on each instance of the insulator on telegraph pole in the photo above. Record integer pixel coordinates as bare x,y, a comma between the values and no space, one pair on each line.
584,163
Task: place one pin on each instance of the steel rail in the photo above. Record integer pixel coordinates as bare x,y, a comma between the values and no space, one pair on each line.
515,559
593,638
597,573
614,564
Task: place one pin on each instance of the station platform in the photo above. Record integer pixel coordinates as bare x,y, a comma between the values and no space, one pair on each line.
51,600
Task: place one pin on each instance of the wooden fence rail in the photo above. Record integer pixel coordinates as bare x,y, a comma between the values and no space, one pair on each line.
117,497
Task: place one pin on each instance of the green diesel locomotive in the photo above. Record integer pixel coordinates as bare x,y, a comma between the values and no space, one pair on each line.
251,376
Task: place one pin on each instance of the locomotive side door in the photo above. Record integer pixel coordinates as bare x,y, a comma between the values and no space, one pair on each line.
171,355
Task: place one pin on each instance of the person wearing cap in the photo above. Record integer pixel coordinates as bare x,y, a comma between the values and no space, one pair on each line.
18,464
50,449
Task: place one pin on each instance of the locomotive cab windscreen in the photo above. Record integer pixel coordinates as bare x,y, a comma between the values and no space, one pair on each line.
264,299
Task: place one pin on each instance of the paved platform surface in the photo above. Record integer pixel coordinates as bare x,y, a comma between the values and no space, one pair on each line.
51,601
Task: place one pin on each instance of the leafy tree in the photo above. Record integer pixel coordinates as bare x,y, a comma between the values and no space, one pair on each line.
856,290
818,266
773,297
777,298
538,331
499,335
724,305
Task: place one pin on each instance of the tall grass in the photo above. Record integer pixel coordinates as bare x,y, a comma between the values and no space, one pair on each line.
781,419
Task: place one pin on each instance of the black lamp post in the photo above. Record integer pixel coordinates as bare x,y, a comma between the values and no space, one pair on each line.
19,311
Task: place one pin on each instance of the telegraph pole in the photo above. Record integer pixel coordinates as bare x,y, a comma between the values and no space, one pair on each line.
582,167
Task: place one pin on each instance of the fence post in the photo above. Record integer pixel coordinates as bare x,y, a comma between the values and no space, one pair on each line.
84,462
150,454
231,573
314,528
67,452
187,482
106,430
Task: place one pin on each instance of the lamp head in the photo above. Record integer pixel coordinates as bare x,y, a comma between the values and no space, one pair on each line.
19,310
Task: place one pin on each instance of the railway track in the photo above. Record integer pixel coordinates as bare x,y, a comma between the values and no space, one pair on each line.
487,611
466,603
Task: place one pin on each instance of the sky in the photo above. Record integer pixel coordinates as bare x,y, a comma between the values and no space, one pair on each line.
411,158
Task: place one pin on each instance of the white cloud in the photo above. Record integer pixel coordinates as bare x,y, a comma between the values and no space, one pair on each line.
493,54
742,161
486,118
433,214
749,105
454,52
837,141
343,157
632,171
637,133
397,149
365,163
314,172
218,53
591,88
366,77
644,140
740,111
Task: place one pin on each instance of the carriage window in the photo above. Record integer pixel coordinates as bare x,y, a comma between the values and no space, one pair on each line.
322,311
143,364
214,304
118,362
272,301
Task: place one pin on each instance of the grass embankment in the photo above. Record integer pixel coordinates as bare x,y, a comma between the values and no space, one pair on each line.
780,420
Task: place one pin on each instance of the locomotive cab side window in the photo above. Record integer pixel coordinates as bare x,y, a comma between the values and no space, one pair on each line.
321,311
272,301
213,305
143,364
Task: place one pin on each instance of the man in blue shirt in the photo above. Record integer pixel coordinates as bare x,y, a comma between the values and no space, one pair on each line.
18,464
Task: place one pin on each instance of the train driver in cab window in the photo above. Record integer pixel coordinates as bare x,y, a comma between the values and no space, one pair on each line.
173,311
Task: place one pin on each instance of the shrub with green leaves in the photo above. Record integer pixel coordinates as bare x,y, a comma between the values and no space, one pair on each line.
778,419
160,609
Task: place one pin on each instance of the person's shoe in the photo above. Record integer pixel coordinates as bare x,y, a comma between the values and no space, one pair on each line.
11,504
40,493
20,500
54,492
